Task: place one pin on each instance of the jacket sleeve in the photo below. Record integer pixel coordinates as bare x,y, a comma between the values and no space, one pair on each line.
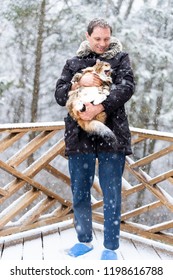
63,85
123,86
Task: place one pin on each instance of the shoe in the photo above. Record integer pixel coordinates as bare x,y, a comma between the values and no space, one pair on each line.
79,249
109,255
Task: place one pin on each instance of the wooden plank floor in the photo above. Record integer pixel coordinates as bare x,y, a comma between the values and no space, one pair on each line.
53,246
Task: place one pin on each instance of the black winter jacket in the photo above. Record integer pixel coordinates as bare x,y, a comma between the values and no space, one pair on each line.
76,139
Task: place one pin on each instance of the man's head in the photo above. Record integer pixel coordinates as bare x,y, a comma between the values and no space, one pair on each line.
98,35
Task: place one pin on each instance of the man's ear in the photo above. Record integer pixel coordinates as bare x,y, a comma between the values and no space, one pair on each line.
87,35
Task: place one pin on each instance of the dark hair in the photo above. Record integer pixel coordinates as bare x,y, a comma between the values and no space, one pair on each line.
98,22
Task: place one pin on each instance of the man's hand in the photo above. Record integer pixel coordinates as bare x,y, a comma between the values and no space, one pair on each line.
90,80
91,111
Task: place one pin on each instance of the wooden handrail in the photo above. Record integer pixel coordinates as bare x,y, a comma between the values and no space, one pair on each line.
34,181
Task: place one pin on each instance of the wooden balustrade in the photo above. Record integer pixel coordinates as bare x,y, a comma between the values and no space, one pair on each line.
34,181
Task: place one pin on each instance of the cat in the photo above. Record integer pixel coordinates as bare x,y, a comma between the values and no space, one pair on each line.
95,95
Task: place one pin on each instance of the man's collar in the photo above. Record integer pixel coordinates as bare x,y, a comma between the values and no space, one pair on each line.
114,48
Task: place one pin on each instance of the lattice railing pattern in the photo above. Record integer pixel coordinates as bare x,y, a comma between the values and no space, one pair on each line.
34,181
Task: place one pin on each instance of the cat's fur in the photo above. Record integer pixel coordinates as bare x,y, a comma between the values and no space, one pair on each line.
95,95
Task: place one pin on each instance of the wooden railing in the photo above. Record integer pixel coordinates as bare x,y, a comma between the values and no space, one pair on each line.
34,181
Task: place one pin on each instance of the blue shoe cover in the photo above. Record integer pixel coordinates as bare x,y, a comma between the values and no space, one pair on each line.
109,255
79,249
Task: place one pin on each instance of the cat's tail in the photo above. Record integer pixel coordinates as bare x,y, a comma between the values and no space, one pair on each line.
98,128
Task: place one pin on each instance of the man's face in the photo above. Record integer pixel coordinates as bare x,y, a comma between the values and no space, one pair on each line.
99,40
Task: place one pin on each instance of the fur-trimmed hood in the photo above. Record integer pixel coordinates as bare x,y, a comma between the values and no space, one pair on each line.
114,48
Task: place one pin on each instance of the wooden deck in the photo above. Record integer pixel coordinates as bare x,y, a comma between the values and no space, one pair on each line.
52,243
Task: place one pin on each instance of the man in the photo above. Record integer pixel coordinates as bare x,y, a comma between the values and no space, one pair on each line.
82,149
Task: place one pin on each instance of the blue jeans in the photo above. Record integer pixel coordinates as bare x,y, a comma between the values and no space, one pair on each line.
110,170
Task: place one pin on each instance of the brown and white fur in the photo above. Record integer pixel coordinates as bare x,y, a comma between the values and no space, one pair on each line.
95,95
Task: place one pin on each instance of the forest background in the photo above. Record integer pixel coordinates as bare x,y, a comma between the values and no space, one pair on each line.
38,36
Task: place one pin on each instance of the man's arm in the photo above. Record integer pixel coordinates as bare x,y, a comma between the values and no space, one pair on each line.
91,111
123,86
63,85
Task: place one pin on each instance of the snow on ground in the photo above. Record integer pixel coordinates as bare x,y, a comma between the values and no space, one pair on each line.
53,246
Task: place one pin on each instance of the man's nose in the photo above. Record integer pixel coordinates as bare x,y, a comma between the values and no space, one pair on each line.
102,43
